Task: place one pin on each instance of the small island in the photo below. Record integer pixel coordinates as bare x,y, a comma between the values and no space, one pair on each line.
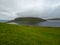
27,20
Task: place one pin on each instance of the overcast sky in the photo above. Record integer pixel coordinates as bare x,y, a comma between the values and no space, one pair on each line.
10,9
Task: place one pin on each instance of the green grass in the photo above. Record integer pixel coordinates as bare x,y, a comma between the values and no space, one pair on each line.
28,35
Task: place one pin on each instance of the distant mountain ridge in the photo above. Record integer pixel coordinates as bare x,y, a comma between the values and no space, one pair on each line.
54,19
3,20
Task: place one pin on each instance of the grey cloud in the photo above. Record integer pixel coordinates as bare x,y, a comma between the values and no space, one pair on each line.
38,8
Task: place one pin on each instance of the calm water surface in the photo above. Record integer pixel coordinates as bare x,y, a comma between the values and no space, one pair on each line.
52,23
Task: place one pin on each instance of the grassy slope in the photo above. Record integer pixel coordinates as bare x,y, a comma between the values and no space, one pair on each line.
27,20
28,35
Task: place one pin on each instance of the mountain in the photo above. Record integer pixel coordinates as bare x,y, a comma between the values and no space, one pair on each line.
54,19
27,20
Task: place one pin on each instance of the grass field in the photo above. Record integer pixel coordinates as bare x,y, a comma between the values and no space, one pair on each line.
28,35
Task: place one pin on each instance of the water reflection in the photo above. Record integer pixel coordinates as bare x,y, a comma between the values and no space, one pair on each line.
51,23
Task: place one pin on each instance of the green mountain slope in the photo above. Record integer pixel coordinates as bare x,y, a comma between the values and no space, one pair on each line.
28,35
27,20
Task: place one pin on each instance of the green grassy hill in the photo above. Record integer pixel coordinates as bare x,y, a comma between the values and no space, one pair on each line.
28,35
27,20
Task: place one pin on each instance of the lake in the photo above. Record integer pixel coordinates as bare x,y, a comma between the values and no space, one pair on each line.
51,23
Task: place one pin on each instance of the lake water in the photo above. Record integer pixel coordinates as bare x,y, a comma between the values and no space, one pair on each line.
51,23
